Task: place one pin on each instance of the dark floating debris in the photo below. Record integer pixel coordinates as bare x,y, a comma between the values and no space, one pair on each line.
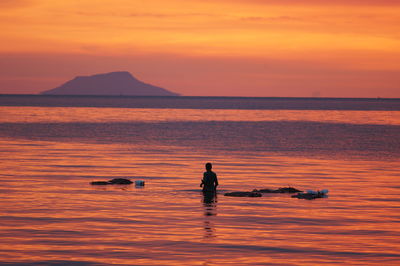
120,181
100,183
279,190
243,194
258,192
115,181
310,194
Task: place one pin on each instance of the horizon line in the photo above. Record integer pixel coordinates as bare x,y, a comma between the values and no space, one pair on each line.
194,96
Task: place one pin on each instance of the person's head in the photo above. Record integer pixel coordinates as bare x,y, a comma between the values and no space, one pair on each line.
208,166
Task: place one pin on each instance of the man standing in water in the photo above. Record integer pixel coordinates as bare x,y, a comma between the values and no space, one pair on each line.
210,181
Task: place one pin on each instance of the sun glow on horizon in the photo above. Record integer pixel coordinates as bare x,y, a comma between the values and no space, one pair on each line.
356,43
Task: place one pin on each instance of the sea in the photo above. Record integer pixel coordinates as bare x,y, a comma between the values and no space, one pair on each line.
53,147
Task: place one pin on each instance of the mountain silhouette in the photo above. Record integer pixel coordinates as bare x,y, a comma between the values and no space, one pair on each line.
114,83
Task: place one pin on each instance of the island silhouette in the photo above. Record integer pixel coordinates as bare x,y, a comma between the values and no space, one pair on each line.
113,83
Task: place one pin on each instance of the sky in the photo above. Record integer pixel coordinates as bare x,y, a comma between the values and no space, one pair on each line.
266,48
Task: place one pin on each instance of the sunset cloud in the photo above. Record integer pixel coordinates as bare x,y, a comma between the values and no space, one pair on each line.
315,2
15,3
353,36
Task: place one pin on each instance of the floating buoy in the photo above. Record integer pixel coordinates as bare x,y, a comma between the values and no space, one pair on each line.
139,183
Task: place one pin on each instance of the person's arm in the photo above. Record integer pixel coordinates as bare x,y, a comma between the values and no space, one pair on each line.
202,181
216,181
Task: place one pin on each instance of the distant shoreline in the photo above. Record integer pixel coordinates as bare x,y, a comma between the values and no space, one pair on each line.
202,102
194,97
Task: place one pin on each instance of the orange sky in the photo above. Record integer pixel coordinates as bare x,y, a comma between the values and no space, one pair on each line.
342,48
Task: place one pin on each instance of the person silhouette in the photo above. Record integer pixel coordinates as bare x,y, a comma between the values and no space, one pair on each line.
209,182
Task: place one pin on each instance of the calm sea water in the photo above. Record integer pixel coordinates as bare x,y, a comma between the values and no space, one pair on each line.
52,147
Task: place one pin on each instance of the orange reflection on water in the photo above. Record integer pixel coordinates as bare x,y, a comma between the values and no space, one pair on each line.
113,115
50,212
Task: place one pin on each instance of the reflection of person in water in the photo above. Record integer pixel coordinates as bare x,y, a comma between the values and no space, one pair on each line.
209,181
210,211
